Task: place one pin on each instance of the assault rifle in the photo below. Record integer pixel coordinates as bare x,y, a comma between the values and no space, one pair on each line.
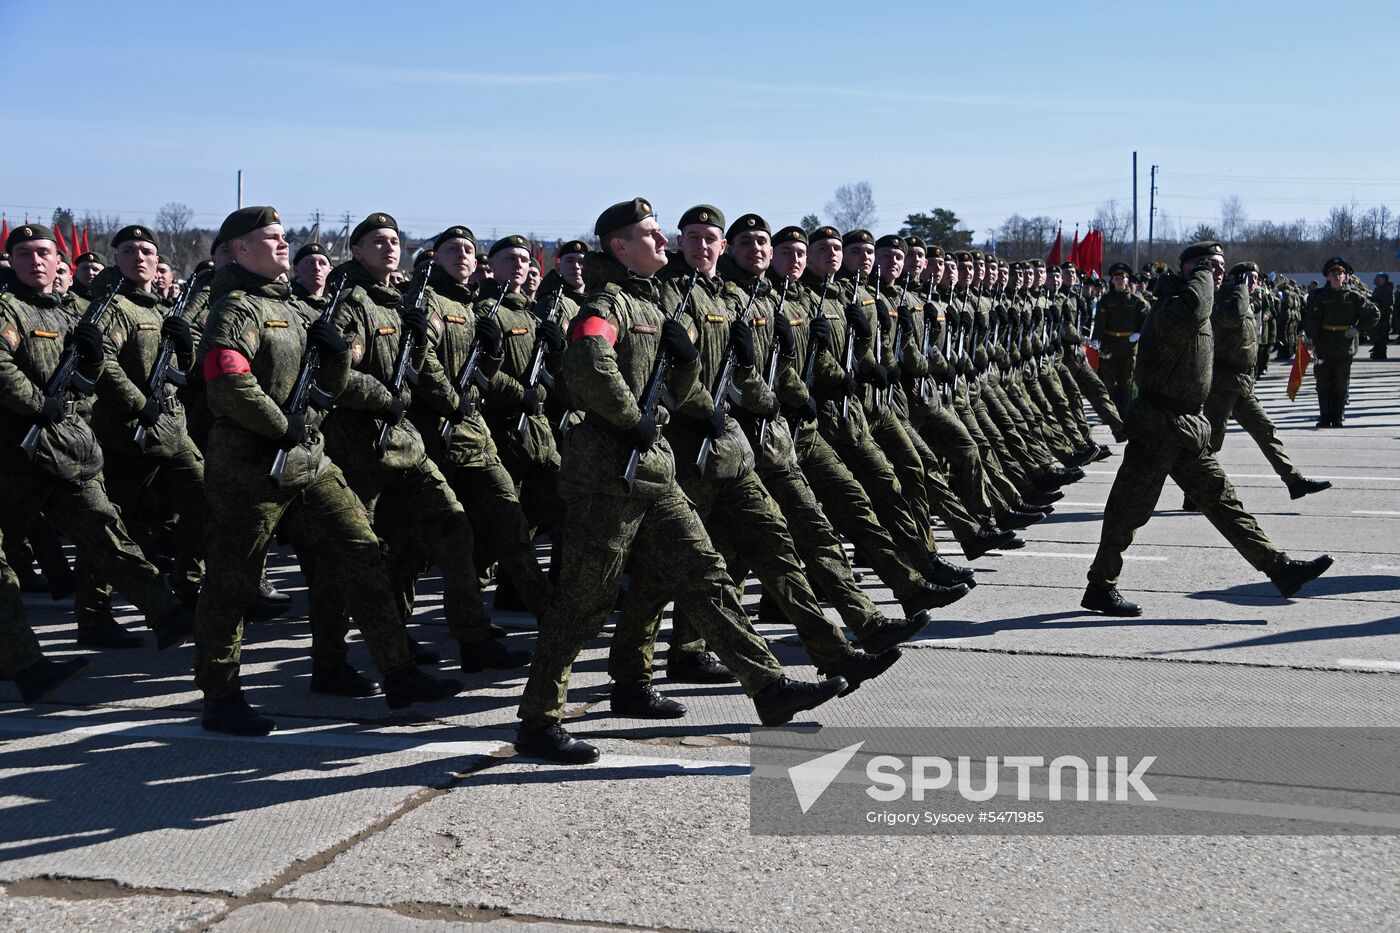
305,391
770,368
471,369
724,381
809,365
536,374
162,372
651,393
403,366
898,337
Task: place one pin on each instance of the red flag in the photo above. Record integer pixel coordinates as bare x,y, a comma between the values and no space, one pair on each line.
1300,368
1092,356
1054,258
1094,254
73,240
4,231
62,246
1075,250
86,247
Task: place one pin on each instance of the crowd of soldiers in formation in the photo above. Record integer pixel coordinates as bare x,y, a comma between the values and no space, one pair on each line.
672,421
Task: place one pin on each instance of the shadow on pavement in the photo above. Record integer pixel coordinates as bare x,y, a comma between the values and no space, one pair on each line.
1373,629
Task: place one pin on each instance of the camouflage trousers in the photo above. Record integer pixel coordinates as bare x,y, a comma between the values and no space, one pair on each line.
1224,403
174,486
888,432
1039,412
1138,486
745,524
1003,472
942,501
663,537
333,533
852,513
418,503
18,646
945,432
876,475
1068,418
1095,391
83,512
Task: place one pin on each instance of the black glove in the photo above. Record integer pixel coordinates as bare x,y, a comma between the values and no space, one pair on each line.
857,321
177,331
488,335
741,342
877,376
395,413
821,332
848,385
295,433
415,322
150,412
714,425
551,335
884,320
643,434
782,329
87,340
906,318
676,342
324,336
895,373
965,320
530,401
52,412
807,411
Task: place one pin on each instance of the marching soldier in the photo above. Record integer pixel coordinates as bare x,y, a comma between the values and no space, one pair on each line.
1334,318
87,266
251,356
1168,436
614,343
1383,295
311,267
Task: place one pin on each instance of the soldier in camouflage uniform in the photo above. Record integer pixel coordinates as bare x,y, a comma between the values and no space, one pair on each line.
87,266
1233,329
63,481
1335,317
21,659
1383,296
1117,328
1168,436
614,343
1077,362
169,466
251,355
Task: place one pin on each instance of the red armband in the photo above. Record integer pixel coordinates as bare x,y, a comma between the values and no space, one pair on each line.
594,327
224,362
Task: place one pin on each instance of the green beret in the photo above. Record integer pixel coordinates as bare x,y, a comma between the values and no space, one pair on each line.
789,235
1003,264
1200,250
371,223
514,241
1066,266
573,246
857,236
205,265
913,241
1337,261
26,233
747,223
244,221
934,252
823,233
310,249
134,234
91,257
891,241
424,255
962,255
977,254
622,214
1036,263
1244,268
702,214
454,233
1118,267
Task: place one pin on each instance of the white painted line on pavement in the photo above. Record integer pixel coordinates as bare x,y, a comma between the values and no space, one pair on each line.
1077,556
1385,566
1087,505
1370,665
1378,479
1372,512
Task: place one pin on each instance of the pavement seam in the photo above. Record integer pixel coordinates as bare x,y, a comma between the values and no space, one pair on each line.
1081,656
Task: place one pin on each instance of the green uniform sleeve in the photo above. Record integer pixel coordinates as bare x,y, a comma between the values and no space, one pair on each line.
114,387
363,392
234,324
17,392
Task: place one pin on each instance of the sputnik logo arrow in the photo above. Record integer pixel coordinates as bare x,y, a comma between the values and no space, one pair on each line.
811,778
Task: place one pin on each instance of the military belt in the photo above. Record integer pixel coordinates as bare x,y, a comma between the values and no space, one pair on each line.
1175,406
1119,333
1338,326
1234,370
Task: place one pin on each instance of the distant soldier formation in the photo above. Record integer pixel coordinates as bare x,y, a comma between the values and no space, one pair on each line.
674,418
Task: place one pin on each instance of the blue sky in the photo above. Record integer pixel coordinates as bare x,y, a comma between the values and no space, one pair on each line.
531,117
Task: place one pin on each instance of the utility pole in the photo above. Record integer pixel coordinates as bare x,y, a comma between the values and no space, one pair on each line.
1151,207
1135,213
240,189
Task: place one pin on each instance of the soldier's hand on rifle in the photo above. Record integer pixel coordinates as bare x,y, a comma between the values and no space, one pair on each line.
530,401
551,335
415,322
741,341
820,330
906,318
782,329
87,340
677,343
488,334
857,321
895,373
295,433
643,433
714,425
848,385
965,320
395,413
52,412
150,412
807,411
324,336
177,331
877,376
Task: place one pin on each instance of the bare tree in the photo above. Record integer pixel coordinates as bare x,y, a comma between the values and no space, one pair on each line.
852,207
810,222
1025,236
1232,218
173,222
1115,223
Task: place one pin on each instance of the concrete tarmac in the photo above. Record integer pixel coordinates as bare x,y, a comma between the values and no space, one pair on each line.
118,812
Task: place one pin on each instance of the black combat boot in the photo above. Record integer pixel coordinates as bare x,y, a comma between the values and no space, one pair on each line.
1187,505
421,653
1290,576
1048,497
1015,520
552,743
488,654
778,702
947,573
343,681
643,701
692,667
1302,486
1324,410
233,715
985,541
879,637
937,595
43,677
103,631
1339,409
1108,601
270,604
175,628
1104,453
409,685
860,666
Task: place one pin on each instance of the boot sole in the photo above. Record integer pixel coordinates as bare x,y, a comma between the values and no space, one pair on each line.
838,685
